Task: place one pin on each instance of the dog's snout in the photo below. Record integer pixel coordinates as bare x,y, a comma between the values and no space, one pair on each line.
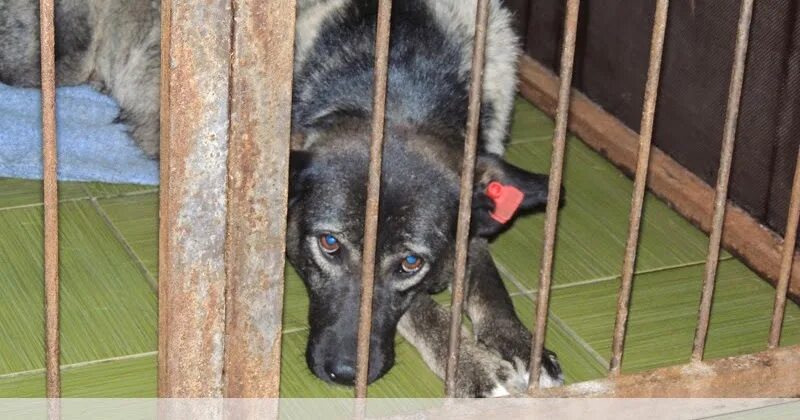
337,364
341,371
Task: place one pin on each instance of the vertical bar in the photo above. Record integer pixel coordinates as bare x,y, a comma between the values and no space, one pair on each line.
163,199
787,259
723,178
49,160
556,170
258,185
193,272
465,198
640,182
373,194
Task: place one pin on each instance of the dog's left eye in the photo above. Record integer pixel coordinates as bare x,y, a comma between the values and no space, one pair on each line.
329,244
411,264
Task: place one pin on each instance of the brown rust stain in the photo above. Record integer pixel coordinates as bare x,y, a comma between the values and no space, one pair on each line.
380,79
193,275
49,162
260,98
562,113
639,184
163,226
465,196
768,374
723,178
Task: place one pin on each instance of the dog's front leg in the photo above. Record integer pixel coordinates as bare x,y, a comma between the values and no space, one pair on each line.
481,372
495,323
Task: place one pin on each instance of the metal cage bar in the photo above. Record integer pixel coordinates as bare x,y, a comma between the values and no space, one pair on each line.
192,277
554,193
50,164
639,184
163,196
373,195
723,177
465,197
787,259
258,184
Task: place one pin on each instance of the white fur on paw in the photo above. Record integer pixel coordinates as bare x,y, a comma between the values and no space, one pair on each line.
517,382
547,381
499,391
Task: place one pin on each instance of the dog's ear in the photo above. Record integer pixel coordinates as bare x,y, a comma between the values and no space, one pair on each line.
502,192
299,161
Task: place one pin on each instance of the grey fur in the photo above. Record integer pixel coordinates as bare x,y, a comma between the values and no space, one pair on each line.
113,45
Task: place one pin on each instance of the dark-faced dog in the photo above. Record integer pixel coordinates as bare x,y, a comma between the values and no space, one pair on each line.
114,46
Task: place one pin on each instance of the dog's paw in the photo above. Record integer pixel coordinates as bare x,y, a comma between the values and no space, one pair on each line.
514,345
550,375
484,373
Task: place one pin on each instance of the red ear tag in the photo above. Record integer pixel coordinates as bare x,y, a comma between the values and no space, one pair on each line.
507,200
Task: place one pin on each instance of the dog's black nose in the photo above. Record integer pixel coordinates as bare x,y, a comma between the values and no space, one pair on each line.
341,371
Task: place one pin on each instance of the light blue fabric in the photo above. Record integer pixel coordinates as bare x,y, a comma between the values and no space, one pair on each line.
91,146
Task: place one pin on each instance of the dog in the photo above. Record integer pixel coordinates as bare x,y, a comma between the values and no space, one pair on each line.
114,45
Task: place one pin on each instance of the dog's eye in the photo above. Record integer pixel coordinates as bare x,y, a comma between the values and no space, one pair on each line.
411,264
329,244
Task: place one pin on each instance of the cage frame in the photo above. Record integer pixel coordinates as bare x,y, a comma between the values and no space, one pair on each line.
217,270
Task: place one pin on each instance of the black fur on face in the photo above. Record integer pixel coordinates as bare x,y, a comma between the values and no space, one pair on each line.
418,211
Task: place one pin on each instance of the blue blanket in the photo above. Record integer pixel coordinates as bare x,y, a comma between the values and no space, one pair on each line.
91,146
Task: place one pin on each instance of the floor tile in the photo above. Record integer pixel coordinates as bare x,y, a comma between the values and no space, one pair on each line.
103,190
107,307
530,124
578,360
295,302
593,225
136,219
128,378
26,192
663,315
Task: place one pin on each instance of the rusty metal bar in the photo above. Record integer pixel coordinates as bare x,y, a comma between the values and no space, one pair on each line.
163,192
373,194
723,177
554,194
465,199
768,374
787,259
258,184
192,276
639,184
50,164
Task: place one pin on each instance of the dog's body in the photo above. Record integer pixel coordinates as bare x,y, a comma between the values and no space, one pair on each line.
114,45
431,47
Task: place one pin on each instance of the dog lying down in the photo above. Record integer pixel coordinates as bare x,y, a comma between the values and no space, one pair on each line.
114,45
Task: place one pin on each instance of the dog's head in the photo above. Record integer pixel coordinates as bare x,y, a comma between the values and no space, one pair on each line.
415,245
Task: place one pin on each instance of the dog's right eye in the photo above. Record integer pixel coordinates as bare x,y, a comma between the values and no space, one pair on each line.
329,244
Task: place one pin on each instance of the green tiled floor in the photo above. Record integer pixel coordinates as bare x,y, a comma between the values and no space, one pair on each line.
664,314
107,308
109,269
